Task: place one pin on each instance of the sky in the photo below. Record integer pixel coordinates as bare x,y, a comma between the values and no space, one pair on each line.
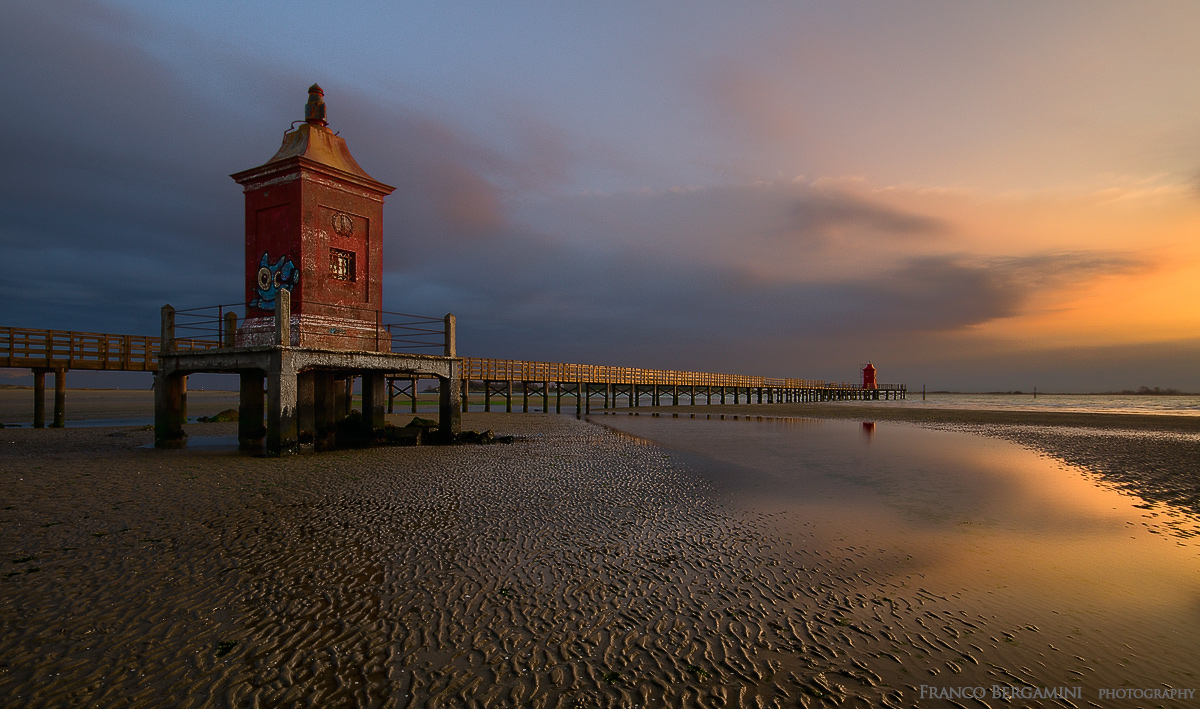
973,196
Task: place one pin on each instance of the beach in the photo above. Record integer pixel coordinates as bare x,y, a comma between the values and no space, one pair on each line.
577,566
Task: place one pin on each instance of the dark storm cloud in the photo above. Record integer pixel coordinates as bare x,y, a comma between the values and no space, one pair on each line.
116,196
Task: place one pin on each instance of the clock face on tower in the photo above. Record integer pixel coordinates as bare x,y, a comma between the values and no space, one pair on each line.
343,224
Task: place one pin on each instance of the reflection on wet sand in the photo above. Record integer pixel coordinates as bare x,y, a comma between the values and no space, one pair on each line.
1006,533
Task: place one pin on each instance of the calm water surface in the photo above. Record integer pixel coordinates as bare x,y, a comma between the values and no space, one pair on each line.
1101,403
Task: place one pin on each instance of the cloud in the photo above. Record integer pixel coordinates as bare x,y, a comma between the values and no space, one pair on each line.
116,199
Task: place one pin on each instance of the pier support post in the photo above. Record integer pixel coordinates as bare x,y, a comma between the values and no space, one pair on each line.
168,411
39,398
545,397
324,415
524,397
508,398
250,410
60,399
414,394
449,413
373,395
230,329
306,412
340,409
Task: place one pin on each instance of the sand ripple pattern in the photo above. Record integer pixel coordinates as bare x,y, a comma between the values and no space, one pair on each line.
575,568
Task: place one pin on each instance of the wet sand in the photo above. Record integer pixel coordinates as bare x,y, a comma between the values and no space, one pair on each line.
575,567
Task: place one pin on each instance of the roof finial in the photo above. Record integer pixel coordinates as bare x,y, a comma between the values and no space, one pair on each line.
314,110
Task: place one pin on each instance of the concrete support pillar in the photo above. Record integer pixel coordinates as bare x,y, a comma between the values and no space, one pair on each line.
39,398
449,415
524,397
414,396
251,430
281,404
340,408
306,412
558,397
168,418
587,397
545,397
60,399
693,393
508,398
230,329
373,395
607,394
675,395
324,410
487,395
466,393
182,398
166,341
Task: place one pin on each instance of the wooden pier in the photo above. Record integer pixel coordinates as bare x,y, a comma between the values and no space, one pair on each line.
509,385
507,380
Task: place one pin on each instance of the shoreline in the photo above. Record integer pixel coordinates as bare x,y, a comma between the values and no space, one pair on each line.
1152,456
1174,423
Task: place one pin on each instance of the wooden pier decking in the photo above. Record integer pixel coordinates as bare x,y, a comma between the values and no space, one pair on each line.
507,383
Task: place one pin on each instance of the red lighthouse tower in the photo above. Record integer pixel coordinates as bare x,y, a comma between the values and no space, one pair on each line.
314,227
869,381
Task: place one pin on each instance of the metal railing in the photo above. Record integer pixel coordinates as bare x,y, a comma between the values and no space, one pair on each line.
336,325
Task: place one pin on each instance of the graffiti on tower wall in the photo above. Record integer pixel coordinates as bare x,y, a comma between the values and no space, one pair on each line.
270,278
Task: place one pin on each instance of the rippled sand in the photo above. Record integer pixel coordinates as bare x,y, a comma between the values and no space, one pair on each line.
575,567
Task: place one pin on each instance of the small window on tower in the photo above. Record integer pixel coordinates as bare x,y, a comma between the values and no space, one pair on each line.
341,264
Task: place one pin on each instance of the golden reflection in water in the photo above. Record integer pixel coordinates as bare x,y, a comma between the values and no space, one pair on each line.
1005,531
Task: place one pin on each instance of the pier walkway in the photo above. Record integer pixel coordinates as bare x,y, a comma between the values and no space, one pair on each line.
502,382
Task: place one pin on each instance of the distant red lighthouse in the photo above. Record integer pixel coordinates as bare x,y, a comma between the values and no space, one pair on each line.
869,381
